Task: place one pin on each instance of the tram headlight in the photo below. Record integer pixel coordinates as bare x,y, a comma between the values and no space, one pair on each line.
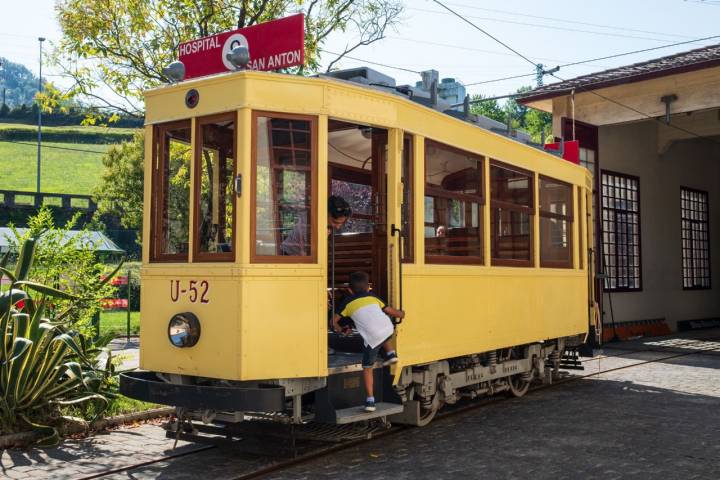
184,330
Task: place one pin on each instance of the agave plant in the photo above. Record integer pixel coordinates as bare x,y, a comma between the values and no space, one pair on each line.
44,364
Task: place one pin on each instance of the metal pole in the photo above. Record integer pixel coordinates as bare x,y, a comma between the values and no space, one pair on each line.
41,40
332,273
128,307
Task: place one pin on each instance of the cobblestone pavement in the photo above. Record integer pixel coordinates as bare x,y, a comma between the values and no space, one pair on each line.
655,420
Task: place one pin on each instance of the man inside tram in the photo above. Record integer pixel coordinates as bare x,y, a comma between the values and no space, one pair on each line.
339,212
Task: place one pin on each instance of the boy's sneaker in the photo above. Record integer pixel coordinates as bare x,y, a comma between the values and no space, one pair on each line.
369,405
390,359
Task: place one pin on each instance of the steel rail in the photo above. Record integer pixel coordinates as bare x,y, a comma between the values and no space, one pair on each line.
449,413
472,405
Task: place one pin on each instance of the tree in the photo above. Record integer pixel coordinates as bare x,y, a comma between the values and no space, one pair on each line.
124,44
538,124
19,83
120,192
489,108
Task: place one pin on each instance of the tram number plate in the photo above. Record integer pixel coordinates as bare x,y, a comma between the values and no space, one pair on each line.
196,291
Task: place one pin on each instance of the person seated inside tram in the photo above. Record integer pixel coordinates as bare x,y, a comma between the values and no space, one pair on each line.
339,212
370,315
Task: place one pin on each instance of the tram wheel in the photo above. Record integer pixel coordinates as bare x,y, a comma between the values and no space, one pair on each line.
518,386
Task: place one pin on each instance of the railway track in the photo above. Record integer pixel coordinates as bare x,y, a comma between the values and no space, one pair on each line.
283,464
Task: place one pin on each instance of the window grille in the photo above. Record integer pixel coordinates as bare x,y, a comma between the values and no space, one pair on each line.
695,238
621,231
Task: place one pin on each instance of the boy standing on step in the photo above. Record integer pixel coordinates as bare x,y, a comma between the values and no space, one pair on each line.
370,315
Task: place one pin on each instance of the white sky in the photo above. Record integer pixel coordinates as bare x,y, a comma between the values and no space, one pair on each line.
431,38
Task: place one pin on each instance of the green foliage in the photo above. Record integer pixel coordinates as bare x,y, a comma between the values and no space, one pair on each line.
45,364
120,191
489,108
125,44
538,124
98,136
68,264
19,82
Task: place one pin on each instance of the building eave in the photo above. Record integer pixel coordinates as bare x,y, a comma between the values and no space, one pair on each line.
527,100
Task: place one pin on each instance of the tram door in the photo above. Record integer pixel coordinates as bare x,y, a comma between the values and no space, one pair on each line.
357,157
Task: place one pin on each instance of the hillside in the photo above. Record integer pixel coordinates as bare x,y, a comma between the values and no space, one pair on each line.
71,157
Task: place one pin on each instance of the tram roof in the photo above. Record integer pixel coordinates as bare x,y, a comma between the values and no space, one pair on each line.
176,91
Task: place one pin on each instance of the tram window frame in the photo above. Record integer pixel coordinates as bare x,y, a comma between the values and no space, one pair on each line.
408,213
313,222
582,232
198,255
158,192
567,217
479,199
512,207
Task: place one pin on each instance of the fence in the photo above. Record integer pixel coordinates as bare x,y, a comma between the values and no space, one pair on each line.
14,198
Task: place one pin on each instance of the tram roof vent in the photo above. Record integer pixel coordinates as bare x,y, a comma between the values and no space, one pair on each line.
363,75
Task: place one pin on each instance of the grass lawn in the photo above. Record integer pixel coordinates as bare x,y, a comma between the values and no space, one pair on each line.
69,128
63,171
116,321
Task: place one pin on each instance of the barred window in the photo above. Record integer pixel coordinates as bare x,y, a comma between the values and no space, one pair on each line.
695,238
621,231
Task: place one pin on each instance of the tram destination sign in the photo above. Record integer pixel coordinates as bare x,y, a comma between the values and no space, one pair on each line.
272,45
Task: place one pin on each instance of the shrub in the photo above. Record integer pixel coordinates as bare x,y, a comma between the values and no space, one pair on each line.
44,364
69,264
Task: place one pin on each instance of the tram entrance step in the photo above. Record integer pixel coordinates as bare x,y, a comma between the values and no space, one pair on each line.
357,414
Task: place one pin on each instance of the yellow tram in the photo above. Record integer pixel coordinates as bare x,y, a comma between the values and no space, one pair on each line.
481,239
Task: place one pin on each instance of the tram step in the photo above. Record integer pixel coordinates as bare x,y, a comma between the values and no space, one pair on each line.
358,414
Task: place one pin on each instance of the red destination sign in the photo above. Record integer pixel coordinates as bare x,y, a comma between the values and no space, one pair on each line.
272,45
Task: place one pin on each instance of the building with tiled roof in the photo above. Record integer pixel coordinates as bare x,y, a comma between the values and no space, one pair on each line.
650,133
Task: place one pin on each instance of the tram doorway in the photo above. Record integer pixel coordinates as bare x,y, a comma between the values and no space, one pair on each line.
357,160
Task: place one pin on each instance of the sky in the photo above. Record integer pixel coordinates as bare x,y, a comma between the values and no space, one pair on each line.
552,32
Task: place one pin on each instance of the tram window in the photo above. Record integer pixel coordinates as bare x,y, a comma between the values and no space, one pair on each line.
215,201
171,192
556,223
284,185
408,179
453,199
511,207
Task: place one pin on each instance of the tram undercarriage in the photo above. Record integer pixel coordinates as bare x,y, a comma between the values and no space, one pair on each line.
414,400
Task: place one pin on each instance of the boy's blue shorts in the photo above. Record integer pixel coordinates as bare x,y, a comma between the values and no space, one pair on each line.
370,354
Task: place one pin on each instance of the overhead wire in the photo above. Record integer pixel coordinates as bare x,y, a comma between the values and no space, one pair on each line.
571,21
578,87
552,27
606,57
370,62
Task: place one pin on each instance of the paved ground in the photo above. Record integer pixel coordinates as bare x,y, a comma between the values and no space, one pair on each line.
655,420
127,350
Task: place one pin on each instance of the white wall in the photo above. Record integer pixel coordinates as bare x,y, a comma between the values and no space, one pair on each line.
632,149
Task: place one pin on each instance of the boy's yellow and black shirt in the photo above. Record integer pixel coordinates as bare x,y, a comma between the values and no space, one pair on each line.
366,311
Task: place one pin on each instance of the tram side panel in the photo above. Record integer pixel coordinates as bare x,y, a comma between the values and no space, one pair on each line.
284,326
470,314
